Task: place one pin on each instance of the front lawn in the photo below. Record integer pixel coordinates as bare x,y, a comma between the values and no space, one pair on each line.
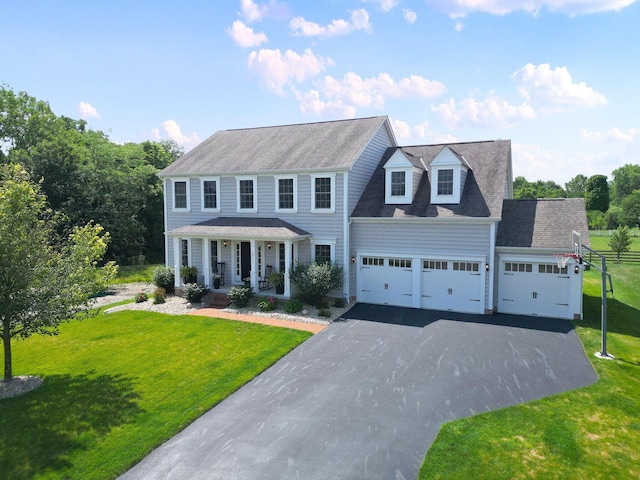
592,432
118,385
135,273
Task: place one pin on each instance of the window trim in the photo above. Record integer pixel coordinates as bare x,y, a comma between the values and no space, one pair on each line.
277,179
451,182
254,179
187,182
323,241
217,182
407,198
332,178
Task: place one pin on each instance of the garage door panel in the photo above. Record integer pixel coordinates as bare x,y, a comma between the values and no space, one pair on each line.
386,280
452,285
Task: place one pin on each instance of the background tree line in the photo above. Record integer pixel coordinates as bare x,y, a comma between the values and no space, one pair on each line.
86,177
609,204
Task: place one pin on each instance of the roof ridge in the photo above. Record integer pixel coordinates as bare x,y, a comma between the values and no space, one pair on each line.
305,124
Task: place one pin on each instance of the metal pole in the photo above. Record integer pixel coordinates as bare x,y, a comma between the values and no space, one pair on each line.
604,307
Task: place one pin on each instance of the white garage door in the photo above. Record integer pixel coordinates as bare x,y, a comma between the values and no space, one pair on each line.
386,281
534,288
452,285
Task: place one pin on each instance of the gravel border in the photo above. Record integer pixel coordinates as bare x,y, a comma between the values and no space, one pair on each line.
18,385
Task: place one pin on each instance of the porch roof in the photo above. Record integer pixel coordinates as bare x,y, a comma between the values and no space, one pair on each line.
244,228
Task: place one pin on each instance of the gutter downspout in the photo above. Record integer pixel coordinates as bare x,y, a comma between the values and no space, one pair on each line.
346,242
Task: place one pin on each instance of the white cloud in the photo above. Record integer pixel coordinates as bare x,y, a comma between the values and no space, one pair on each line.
611,135
385,5
419,134
460,8
312,104
277,70
491,112
459,26
86,111
305,28
554,90
245,36
171,129
252,12
409,15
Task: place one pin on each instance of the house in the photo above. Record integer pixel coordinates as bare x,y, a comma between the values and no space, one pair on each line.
432,226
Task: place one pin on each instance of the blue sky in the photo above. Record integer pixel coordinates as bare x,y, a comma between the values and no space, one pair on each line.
560,78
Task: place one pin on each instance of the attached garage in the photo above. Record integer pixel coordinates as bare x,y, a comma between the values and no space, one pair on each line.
536,287
452,285
386,280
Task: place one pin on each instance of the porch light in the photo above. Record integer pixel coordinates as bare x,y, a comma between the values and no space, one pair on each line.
269,245
576,269
353,259
486,267
224,243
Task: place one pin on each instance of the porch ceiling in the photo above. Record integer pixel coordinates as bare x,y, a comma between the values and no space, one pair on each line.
242,228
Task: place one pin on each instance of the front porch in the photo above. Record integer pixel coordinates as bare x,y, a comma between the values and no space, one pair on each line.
230,251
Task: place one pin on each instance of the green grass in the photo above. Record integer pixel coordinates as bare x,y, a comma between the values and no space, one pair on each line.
118,385
599,241
592,432
135,273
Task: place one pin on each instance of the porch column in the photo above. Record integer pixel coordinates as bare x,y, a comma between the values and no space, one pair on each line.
206,262
287,267
176,261
255,274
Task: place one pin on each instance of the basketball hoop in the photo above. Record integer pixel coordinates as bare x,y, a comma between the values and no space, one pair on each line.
563,258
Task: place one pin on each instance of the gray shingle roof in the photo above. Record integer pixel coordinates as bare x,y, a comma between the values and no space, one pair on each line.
483,191
243,227
322,145
543,223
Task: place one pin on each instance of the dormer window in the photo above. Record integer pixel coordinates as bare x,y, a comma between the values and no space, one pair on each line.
402,177
448,176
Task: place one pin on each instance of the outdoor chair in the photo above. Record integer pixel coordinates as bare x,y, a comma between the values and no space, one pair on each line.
263,283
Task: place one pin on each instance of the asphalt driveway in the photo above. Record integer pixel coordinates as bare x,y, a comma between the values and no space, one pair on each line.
365,398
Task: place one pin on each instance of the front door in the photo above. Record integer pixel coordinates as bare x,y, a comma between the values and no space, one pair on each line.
245,259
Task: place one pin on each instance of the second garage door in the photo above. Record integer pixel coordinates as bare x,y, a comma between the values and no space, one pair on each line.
452,285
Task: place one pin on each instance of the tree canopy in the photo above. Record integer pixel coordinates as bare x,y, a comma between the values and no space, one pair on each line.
626,180
45,278
596,194
524,189
86,177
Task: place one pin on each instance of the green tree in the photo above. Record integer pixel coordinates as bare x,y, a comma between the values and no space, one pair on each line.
44,280
626,179
522,189
630,214
576,187
596,194
596,220
620,241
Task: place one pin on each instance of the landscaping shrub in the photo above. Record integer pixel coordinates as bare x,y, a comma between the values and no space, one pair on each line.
141,297
240,296
159,296
323,312
268,304
293,306
315,280
195,292
339,303
164,277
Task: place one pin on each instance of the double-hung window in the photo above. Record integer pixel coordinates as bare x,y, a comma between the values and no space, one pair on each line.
445,181
286,193
323,193
247,194
181,201
209,188
398,184
323,250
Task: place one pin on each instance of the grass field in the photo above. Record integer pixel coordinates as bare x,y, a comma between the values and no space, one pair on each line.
117,385
593,432
599,241
135,273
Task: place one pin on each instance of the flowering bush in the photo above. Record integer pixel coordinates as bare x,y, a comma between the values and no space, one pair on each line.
315,280
141,297
195,292
268,304
240,295
163,277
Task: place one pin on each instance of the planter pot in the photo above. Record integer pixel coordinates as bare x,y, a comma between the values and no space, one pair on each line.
279,289
216,283
190,279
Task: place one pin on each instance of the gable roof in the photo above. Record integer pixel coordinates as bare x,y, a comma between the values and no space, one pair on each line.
543,223
483,193
243,227
308,146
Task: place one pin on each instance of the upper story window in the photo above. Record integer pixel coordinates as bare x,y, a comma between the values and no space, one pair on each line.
398,184
323,193
209,188
286,193
247,194
445,181
181,201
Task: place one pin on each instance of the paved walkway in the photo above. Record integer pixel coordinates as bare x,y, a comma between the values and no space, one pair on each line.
276,322
365,398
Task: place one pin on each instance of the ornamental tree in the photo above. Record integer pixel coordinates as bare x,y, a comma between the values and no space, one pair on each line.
44,279
620,241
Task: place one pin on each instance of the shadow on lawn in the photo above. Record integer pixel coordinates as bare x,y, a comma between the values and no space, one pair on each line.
621,318
41,429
